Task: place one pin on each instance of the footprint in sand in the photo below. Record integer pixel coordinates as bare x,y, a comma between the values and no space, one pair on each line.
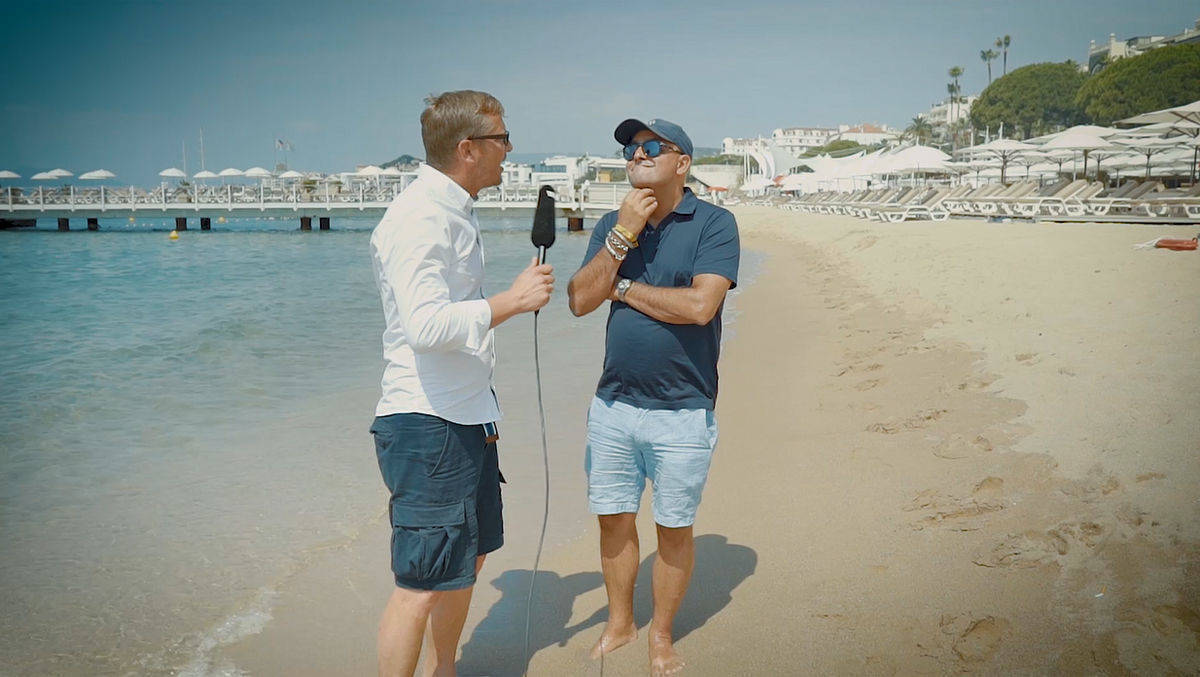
981,640
955,514
921,419
868,384
1026,358
1041,548
958,446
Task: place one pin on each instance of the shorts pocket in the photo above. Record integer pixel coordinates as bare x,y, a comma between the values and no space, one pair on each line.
428,541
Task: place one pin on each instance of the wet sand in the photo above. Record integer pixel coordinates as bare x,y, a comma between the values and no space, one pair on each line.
944,447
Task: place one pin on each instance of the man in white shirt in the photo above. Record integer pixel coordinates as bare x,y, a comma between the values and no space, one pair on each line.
435,423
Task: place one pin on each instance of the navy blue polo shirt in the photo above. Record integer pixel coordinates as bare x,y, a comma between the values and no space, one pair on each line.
656,365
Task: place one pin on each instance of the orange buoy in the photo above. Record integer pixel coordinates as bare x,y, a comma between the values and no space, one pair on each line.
1177,245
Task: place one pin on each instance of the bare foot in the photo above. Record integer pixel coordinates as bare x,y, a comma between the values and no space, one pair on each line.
613,639
663,658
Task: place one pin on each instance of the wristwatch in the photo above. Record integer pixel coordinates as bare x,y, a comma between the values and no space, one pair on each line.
622,287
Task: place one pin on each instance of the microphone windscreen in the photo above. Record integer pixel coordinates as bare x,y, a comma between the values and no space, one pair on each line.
543,219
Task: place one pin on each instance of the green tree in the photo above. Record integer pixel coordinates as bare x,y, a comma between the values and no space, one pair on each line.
1160,78
1033,99
919,130
988,56
1002,44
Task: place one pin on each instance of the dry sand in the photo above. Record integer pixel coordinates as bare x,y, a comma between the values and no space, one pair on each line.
960,446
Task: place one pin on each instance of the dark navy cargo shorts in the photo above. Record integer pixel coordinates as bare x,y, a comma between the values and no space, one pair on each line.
445,506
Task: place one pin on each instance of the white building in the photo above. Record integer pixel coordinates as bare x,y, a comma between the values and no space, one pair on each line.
866,134
800,140
942,114
1098,55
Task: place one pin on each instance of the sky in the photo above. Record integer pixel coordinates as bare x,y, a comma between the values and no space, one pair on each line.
125,86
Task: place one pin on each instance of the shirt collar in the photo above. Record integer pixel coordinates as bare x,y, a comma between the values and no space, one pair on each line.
688,204
444,189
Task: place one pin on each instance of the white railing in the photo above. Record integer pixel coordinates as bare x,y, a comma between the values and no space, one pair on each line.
593,196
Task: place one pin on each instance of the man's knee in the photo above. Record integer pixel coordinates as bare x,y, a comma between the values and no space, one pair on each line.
619,523
674,537
419,602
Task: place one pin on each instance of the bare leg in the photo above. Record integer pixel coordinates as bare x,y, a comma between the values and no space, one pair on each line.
445,628
619,561
672,572
400,630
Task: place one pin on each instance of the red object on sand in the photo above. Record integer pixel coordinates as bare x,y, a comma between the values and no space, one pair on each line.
1177,245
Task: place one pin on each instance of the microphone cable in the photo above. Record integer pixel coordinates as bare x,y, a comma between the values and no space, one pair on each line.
537,368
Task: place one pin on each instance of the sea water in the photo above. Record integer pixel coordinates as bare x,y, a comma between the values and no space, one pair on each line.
183,422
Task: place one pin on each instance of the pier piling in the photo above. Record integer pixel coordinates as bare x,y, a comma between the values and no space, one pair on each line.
305,223
64,224
205,223
574,224
181,223
93,223
324,223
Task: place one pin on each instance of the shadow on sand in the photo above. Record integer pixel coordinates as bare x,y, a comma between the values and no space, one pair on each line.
496,646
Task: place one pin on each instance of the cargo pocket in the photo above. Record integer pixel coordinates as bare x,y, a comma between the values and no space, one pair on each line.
428,541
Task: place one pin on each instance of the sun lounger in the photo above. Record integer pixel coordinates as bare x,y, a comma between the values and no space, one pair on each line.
929,207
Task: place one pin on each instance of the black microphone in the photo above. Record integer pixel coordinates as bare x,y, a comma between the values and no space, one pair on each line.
543,222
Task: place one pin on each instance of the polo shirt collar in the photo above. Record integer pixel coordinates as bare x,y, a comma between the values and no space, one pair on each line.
688,204
443,189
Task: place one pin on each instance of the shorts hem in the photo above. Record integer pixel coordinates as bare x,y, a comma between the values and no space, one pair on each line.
486,547
436,586
675,523
612,508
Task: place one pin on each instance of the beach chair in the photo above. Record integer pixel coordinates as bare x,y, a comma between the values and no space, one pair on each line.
913,195
929,206
1030,206
1104,206
965,206
1000,202
872,199
1183,202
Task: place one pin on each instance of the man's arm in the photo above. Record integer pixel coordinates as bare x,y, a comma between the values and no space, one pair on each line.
592,284
697,304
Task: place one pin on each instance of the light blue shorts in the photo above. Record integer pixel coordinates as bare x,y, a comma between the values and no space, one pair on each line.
627,444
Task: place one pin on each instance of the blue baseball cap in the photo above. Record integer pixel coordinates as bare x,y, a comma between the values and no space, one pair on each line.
663,128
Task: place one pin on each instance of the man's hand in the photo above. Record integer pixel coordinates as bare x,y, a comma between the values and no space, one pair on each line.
530,291
637,206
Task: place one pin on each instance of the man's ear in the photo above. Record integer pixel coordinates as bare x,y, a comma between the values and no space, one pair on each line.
465,151
685,163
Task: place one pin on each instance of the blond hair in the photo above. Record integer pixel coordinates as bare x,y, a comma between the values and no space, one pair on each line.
451,117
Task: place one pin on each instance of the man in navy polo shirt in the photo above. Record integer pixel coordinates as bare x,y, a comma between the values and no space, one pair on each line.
665,260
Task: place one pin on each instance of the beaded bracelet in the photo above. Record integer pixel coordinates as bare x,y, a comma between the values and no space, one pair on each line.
624,232
618,242
619,256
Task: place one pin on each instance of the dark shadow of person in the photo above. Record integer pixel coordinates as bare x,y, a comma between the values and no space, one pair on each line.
497,644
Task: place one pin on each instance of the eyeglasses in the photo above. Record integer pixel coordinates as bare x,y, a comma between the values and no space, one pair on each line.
652,147
499,137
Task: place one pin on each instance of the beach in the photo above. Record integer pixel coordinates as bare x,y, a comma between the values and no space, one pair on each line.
945,447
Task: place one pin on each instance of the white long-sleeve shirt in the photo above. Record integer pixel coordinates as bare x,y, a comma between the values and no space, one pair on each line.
438,345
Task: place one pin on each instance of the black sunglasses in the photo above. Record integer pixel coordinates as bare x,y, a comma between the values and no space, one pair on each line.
499,137
652,147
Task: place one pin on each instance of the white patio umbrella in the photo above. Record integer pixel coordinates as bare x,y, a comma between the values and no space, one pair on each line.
257,173
369,170
1079,140
96,175
204,174
6,174
230,171
1188,111
61,173
172,173
1149,146
291,174
1003,149
44,176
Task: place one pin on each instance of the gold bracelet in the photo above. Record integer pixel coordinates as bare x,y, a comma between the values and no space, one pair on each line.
624,232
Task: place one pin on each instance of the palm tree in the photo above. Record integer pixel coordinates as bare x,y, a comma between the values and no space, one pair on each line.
1003,44
955,72
920,129
987,56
